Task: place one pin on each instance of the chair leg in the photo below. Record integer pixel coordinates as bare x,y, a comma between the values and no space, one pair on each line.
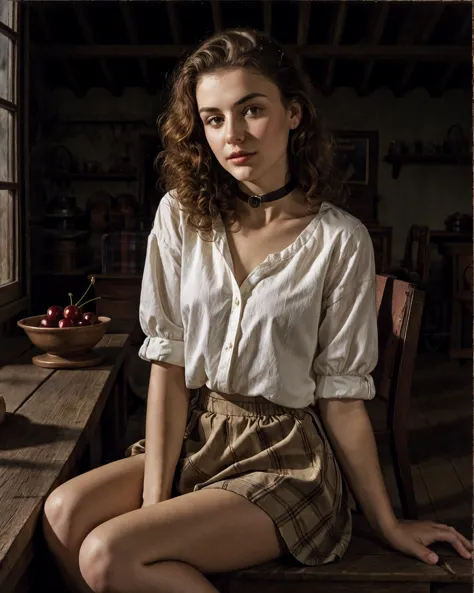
403,477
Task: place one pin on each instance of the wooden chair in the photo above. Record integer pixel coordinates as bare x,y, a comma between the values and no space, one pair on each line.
399,310
368,565
414,266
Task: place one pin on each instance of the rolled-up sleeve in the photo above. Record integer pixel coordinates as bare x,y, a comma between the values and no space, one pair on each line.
347,340
160,313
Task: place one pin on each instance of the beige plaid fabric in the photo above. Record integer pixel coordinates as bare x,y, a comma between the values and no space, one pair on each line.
278,458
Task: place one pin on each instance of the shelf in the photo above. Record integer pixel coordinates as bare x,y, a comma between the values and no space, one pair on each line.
425,159
97,176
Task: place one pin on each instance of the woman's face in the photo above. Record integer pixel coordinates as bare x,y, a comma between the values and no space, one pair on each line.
242,113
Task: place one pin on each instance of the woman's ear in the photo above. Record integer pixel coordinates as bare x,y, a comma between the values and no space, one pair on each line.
295,115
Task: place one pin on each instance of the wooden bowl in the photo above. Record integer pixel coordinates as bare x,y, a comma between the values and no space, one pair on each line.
67,347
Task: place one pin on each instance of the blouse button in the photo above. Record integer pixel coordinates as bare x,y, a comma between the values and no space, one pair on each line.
236,301
228,346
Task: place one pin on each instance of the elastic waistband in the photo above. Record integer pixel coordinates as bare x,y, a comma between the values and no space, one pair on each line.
241,405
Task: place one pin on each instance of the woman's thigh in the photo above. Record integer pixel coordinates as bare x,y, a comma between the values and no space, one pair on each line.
79,505
213,530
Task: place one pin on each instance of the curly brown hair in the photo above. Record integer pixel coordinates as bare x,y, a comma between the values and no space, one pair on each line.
204,190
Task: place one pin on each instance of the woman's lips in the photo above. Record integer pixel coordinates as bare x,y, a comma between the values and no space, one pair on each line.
241,160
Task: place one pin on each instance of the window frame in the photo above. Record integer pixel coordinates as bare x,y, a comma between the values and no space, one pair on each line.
14,296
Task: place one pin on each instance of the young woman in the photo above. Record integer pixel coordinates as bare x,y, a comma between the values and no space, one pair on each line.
258,303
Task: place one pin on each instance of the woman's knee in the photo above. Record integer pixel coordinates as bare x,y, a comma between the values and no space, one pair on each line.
103,564
62,518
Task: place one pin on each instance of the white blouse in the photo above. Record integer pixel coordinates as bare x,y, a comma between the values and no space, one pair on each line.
302,326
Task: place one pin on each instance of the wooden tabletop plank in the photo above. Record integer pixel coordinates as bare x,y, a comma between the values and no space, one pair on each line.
44,432
19,380
41,442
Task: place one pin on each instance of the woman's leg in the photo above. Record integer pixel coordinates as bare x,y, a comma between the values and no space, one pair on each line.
76,507
165,548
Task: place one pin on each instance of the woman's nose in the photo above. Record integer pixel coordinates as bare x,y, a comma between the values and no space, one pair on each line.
235,132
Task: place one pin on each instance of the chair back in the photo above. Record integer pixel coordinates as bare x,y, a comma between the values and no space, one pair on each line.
399,311
417,254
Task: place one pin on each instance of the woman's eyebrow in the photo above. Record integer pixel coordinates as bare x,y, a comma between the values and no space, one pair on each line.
239,102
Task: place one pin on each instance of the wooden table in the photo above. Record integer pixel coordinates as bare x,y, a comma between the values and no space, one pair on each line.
59,423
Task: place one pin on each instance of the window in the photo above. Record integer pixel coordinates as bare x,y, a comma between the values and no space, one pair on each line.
12,286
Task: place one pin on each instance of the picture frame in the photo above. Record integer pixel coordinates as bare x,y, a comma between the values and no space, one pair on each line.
357,160
357,157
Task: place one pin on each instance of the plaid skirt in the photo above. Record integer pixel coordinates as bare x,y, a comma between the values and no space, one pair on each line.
278,458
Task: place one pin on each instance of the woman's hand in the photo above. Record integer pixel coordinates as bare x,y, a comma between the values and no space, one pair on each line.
413,537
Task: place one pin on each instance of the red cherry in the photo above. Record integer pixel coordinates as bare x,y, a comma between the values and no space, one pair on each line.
83,322
54,313
66,322
72,312
90,317
45,322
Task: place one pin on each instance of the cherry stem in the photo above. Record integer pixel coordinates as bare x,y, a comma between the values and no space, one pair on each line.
77,304
89,301
70,296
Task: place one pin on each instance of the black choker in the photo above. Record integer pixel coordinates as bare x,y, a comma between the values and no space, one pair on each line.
255,200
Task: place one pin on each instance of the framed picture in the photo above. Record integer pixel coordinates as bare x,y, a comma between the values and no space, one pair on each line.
356,158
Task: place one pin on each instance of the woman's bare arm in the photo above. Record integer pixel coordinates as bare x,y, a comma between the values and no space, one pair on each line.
350,432
167,409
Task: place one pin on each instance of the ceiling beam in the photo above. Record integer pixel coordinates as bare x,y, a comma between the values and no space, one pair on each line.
176,31
216,15
377,27
434,15
443,83
304,17
111,84
337,31
267,16
74,84
133,35
443,53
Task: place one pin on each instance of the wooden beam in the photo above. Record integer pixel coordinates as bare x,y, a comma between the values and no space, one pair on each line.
75,86
12,185
175,26
8,105
216,15
132,33
304,16
111,84
267,16
434,15
8,32
443,53
379,18
445,78
337,31
443,83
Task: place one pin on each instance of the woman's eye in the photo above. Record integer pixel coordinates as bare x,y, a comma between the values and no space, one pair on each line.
214,121
253,110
